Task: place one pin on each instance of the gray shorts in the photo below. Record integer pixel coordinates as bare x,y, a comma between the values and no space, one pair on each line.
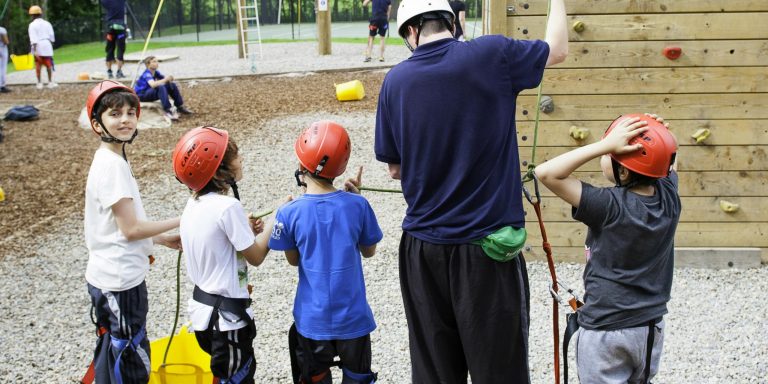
617,356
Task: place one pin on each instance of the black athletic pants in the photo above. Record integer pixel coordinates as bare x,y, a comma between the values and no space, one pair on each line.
466,313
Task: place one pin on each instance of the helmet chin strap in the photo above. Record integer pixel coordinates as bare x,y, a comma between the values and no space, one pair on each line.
232,183
298,173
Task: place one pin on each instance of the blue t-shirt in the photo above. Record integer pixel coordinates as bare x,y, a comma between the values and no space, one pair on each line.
115,11
327,230
142,83
379,9
447,116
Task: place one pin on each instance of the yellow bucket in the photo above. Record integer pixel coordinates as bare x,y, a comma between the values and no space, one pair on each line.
186,363
23,62
351,90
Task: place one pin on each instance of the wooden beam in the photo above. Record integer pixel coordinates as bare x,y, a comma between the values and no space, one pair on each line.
691,158
683,26
695,209
574,7
722,132
684,257
323,27
653,80
686,106
696,53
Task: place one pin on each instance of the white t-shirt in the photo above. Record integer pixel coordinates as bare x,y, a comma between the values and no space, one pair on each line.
212,229
41,33
114,263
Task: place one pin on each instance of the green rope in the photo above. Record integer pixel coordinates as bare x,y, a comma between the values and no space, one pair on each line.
260,215
362,188
178,304
532,164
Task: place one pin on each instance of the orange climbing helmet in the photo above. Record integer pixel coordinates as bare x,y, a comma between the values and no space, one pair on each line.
323,149
659,148
198,154
101,89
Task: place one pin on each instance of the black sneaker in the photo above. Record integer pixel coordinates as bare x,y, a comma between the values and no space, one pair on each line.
183,110
4,90
109,74
120,74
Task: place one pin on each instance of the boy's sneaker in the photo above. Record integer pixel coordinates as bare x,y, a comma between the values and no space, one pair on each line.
183,110
171,116
39,85
120,74
367,59
381,59
110,75
52,85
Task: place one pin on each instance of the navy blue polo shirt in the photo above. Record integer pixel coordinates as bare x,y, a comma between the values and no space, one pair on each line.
115,11
447,116
379,8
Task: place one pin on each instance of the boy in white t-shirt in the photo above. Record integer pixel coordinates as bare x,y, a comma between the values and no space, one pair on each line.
119,239
41,40
218,241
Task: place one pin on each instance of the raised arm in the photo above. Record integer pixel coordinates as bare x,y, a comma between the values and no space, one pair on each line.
557,33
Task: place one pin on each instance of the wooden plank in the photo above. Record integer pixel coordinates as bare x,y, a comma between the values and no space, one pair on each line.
700,184
699,53
717,258
654,80
688,234
692,158
533,252
695,209
574,7
686,106
722,132
686,26
498,17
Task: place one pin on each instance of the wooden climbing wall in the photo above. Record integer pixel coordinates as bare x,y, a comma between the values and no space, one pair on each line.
616,65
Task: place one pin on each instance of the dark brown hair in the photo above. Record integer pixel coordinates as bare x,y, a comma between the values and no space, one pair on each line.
219,183
115,100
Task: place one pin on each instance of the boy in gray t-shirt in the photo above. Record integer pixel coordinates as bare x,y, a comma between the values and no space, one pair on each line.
629,246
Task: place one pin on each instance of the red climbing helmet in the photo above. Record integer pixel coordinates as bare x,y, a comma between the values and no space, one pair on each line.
324,148
658,152
101,89
198,155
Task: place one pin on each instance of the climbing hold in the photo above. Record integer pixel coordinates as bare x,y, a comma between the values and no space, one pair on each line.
2,194
728,207
579,26
701,135
672,53
578,133
547,105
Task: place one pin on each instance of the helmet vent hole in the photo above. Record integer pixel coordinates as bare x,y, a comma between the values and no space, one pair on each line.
205,149
644,153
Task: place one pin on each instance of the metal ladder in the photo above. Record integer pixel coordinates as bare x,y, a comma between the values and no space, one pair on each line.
248,11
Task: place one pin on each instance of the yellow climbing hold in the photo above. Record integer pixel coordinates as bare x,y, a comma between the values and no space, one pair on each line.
579,26
701,135
728,206
2,194
578,133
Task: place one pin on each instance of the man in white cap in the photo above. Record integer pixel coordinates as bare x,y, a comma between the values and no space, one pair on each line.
445,125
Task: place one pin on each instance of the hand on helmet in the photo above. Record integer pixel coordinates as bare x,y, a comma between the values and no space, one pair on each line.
353,184
617,140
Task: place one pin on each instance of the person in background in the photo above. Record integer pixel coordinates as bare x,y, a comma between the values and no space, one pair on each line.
41,40
378,24
116,33
3,59
460,25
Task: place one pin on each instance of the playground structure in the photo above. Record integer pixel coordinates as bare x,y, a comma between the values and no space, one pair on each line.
703,66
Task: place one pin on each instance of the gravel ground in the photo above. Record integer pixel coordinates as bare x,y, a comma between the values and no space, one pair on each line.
716,326
716,329
222,60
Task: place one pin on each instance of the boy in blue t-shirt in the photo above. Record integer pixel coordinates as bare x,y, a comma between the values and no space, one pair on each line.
629,246
323,232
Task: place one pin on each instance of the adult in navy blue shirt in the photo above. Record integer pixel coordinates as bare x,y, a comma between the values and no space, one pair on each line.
445,125
116,33
378,24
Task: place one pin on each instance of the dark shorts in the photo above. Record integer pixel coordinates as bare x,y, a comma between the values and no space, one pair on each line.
318,357
378,26
466,312
231,352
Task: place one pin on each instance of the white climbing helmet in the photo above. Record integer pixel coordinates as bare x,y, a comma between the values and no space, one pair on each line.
409,9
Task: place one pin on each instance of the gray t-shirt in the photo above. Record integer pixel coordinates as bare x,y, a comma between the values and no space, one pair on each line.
630,253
